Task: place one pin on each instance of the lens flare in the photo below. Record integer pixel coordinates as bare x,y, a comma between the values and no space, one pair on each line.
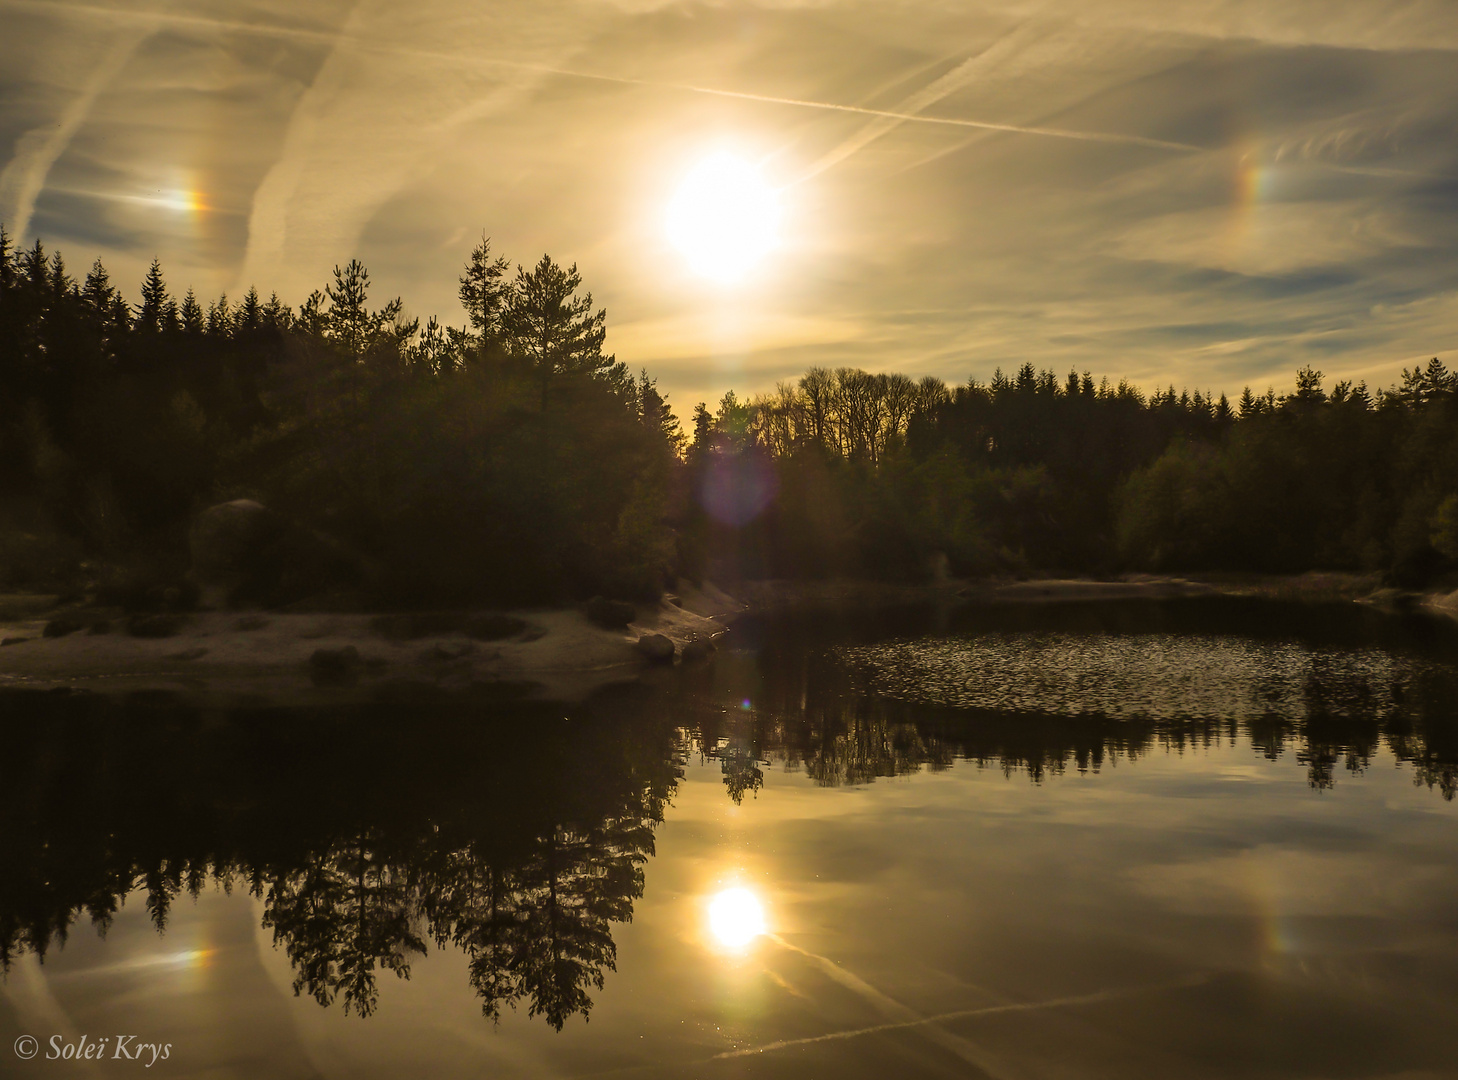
736,917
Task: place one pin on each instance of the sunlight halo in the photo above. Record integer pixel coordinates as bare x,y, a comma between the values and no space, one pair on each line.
724,218
736,917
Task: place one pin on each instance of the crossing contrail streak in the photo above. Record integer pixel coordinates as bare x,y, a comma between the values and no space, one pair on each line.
897,1014
916,118
949,83
959,1014
898,115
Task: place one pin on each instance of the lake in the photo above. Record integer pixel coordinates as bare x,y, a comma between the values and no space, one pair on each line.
1198,838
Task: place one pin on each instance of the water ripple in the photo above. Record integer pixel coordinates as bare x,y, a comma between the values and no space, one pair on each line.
1159,676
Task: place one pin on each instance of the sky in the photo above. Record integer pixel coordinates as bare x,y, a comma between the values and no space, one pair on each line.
1204,193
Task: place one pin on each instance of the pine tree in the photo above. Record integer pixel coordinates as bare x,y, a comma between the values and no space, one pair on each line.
703,429
350,323
311,319
151,313
34,267
1439,379
655,414
1308,386
551,329
192,314
276,314
220,318
485,292
97,292
61,283
249,316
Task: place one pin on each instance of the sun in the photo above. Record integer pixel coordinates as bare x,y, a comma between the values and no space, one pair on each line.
724,217
735,917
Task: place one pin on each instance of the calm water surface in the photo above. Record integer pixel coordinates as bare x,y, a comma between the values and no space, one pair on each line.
1199,839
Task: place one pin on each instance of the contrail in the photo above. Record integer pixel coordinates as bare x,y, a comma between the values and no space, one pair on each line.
899,1016
37,150
959,1014
172,18
950,121
898,115
907,112
928,95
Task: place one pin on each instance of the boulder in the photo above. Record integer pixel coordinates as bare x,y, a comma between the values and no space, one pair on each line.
697,650
657,648
245,553
62,625
609,614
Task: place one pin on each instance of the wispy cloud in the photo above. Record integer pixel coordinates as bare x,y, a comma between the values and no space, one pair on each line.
1190,191
37,150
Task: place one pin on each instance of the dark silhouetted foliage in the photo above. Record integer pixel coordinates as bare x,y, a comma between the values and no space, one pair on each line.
511,460
507,460
852,473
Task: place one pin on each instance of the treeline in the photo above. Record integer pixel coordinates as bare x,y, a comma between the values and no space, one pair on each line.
849,472
513,460
508,460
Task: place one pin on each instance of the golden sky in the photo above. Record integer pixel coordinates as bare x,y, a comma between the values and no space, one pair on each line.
1202,192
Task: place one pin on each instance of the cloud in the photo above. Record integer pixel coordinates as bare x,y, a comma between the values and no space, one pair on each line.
36,151
376,118
1204,192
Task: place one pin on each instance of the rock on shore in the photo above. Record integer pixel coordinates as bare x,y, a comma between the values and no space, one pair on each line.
295,657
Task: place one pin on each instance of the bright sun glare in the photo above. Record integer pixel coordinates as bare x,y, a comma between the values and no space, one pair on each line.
724,217
735,917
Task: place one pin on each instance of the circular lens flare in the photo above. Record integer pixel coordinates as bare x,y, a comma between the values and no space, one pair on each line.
735,917
724,217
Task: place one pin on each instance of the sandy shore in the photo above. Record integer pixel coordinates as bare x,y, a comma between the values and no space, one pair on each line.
269,657
549,653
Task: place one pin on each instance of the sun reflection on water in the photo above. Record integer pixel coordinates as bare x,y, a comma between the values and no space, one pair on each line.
736,917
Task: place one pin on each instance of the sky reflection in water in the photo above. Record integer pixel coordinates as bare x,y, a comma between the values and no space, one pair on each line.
1246,868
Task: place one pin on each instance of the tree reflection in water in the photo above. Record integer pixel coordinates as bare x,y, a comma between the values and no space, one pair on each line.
820,706
518,834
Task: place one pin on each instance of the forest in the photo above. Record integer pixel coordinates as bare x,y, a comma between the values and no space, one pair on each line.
512,459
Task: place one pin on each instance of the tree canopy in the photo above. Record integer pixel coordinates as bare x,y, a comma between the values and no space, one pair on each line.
511,458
